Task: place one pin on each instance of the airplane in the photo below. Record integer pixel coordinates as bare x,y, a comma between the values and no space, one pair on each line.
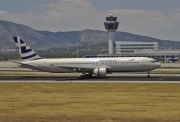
87,66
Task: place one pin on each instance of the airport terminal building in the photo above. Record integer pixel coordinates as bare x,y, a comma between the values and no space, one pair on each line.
125,47
145,49
141,49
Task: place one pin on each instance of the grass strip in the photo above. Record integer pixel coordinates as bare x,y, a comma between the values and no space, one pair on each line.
103,102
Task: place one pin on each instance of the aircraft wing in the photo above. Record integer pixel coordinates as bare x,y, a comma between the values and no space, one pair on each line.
82,67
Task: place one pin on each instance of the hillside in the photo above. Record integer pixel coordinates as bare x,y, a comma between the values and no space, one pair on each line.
46,39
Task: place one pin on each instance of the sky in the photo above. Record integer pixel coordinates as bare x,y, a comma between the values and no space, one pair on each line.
154,18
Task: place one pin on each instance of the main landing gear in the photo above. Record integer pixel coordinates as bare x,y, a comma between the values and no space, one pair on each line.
86,76
148,76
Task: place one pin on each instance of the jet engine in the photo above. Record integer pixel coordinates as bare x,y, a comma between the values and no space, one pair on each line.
100,72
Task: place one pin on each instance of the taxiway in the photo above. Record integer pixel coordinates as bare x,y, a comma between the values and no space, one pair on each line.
108,79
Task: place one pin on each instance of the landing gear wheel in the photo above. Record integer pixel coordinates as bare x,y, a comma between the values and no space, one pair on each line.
86,75
148,76
81,77
90,75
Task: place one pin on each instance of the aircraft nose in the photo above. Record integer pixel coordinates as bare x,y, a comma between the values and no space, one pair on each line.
158,64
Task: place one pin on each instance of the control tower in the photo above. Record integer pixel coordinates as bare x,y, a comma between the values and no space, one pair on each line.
111,25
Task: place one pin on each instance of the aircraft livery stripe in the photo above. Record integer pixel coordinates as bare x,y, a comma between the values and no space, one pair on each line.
15,39
34,58
21,41
27,57
27,54
24,50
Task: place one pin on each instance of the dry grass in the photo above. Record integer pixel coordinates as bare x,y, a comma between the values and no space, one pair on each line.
73,102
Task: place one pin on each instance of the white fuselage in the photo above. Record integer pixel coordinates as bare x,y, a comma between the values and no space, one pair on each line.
118,64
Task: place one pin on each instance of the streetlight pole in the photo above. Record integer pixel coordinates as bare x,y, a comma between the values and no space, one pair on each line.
77,51
165,54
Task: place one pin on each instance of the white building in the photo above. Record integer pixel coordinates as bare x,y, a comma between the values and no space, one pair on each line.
141,49
145,49
126,47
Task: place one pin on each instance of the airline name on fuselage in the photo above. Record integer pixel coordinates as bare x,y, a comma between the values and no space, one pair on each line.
108,61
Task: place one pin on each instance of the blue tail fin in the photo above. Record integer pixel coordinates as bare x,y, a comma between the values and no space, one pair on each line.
27,54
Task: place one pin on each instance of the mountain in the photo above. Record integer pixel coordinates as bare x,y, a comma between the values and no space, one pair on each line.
46,39
8,30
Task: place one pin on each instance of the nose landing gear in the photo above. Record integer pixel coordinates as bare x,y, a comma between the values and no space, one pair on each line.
148,76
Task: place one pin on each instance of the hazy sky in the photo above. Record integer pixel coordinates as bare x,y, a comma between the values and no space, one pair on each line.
155,18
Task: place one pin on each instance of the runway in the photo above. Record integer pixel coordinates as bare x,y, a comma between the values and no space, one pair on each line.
10,72
108,79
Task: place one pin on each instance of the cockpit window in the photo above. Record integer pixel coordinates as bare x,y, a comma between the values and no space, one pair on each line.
153,61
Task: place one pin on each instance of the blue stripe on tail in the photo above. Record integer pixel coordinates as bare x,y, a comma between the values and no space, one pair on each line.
27,54
33,55
15,39
24,50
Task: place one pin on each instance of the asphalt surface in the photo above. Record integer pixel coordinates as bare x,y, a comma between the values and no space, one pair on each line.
66,78
118,79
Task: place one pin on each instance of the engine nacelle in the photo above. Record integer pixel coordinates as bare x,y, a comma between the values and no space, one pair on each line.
100,72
